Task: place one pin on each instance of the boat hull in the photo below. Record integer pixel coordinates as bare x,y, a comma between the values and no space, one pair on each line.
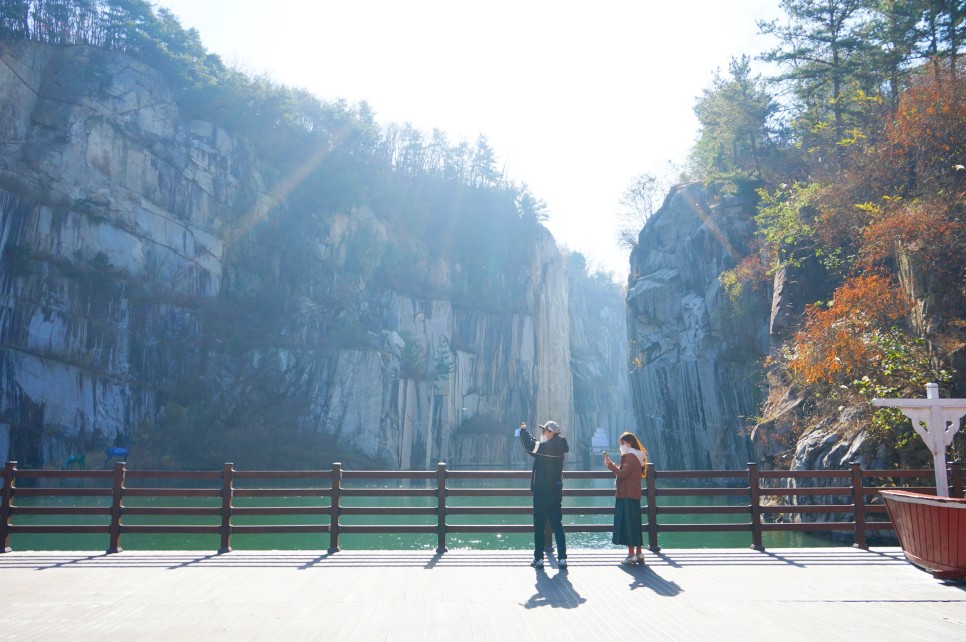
931,530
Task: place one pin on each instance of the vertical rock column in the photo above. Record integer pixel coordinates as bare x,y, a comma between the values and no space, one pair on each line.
695,354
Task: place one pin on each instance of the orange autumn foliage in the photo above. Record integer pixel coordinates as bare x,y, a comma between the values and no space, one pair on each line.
927,233
927,132
752,270
839,341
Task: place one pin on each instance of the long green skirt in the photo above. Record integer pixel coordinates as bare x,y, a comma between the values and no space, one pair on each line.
627,522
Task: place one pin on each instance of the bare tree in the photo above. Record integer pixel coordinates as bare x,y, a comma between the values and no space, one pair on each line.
640,201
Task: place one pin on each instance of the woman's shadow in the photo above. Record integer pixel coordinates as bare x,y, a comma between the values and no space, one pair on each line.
645,577
556,592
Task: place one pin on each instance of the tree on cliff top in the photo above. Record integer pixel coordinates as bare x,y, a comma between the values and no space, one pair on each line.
821,49
735,115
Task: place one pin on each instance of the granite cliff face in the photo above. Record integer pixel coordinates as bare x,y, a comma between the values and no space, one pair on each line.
695,355
598,349
144,300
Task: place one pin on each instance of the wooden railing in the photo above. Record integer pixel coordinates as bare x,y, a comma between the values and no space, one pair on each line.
761,496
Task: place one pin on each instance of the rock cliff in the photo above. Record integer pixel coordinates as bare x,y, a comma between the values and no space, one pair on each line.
150,300
598,349
695,355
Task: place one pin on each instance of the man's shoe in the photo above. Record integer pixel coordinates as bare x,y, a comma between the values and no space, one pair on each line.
537,563
562,563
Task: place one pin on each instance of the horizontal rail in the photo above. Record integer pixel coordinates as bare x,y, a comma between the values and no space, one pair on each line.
810,526
64,474
490,528
58,529
391,529
282,474
705,528
487,492
279,529
172,474
490,474
331,495
388,474
166,529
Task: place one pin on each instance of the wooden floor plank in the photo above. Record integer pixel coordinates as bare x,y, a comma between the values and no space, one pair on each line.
476,596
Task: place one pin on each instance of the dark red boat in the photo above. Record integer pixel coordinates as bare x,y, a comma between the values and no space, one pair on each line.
932,531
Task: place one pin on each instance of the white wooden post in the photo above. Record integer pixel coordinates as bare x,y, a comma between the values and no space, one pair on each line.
937,421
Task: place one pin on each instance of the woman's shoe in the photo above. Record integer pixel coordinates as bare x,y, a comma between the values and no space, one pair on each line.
630,559
639,558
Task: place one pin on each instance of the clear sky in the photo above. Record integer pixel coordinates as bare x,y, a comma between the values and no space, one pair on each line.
576,98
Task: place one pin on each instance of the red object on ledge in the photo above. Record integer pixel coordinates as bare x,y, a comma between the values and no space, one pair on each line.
932,531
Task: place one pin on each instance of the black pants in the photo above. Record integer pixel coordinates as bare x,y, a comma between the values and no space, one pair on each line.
546,506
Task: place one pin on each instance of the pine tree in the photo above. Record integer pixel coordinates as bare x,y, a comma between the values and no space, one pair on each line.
821,50
734,115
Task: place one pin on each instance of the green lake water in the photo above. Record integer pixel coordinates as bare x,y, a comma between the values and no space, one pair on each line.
317,541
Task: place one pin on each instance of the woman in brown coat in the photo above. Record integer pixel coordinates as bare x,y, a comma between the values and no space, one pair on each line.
628,529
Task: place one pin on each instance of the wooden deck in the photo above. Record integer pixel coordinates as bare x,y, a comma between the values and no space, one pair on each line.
789,594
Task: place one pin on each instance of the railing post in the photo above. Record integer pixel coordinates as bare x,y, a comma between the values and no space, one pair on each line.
956,475
858,506
754,496
441,507
227,494
334,508
117,507
652,509
6,505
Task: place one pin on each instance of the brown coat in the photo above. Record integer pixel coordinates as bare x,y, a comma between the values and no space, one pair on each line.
628,476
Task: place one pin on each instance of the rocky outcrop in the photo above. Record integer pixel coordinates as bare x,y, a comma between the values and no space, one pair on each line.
695,355
141,300
96,214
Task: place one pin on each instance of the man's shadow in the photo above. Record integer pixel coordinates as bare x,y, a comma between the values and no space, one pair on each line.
645,577
555,591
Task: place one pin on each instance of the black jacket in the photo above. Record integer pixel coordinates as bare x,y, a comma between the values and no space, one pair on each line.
548,461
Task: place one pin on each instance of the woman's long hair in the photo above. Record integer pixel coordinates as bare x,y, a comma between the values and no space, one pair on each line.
635,443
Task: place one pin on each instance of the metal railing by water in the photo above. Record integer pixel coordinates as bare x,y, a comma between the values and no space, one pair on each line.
766,497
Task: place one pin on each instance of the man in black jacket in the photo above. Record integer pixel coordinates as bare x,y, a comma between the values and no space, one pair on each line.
546,484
